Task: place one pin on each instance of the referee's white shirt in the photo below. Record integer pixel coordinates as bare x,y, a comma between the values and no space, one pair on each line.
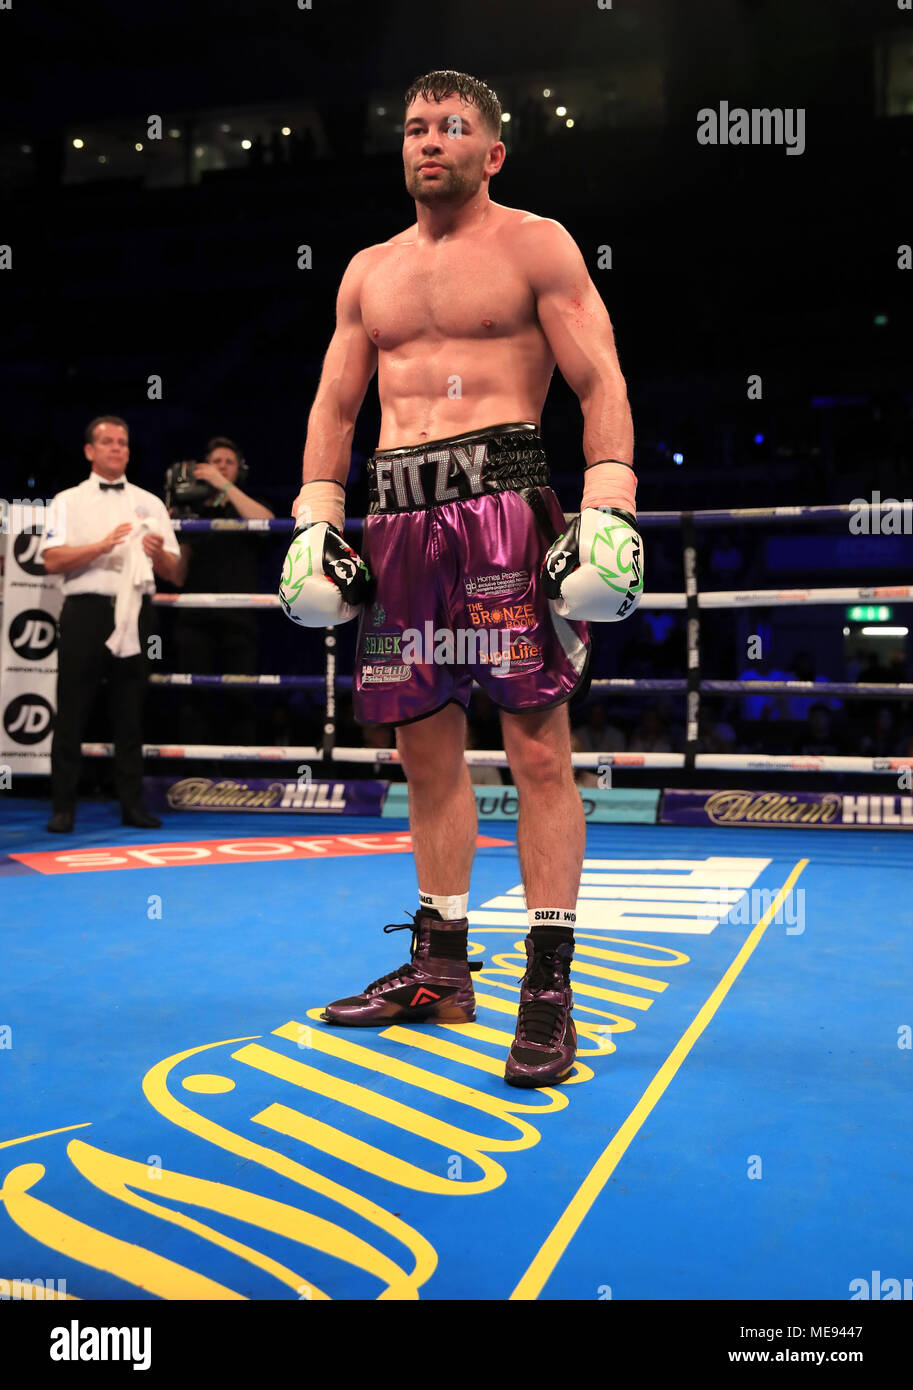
85,514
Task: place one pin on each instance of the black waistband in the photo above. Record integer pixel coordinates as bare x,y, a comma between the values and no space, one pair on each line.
503,458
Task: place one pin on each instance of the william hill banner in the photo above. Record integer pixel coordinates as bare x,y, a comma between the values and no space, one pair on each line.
261,795
834,810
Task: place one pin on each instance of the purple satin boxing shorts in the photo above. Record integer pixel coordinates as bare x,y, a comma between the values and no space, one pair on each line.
456,533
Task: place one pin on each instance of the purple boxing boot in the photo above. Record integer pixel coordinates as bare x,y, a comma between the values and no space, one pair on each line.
435,987
545,1045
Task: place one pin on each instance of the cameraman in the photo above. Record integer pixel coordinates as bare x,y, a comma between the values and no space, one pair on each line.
213,641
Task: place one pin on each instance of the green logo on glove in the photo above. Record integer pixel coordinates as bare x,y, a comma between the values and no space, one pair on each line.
616,557
290,586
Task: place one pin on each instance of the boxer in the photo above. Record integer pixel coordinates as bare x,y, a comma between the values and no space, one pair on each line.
464,316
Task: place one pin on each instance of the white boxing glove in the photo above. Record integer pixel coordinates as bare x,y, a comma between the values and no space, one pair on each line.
324,581
594,572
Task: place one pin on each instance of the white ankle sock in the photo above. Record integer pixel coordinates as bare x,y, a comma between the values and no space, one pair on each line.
451,907
551,917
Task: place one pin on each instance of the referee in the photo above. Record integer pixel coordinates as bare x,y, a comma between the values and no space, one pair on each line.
108,540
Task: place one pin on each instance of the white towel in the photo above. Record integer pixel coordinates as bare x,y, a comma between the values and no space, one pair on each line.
134,579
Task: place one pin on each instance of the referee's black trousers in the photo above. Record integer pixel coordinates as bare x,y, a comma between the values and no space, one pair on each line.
83,661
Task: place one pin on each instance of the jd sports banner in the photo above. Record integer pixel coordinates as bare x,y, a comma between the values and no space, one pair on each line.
32,601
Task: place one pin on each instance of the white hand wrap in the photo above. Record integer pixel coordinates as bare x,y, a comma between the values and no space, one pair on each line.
610,484
321,501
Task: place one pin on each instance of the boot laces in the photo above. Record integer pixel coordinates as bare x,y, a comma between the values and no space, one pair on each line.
406,972
403,971
541,1020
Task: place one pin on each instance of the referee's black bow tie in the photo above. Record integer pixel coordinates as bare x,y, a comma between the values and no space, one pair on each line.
111,487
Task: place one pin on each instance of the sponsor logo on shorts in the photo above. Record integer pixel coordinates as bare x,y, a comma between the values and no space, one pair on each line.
507,615
504,583
385,673
520,656
382,643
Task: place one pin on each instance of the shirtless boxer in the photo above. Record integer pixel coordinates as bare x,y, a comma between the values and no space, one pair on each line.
464,317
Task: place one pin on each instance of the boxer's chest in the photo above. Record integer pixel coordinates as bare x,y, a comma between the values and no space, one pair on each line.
456,292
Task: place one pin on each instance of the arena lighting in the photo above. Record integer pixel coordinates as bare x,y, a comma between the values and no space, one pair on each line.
200,151
505,115
560,110
846,632
102,159
25,149
569,122
225,129
546,91
245,144
381,110
175,134
759,439
870,613
880,320
286,130
678,458
138,146
77,144
885,631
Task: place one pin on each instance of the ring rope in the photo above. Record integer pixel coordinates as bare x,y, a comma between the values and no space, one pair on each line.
693,685
484,757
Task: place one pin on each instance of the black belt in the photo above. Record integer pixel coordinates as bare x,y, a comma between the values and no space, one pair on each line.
503,458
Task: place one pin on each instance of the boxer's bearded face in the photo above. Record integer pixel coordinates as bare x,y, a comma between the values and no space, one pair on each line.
449,138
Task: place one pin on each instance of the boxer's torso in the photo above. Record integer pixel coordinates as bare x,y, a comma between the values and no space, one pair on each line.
457,335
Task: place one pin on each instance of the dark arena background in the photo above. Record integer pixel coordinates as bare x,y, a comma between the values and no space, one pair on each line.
183,186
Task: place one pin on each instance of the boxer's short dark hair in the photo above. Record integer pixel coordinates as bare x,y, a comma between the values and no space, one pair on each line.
435,86
92,426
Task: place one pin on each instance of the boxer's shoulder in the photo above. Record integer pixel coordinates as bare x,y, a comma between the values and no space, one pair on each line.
360,269
534,231
544,249
407,237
